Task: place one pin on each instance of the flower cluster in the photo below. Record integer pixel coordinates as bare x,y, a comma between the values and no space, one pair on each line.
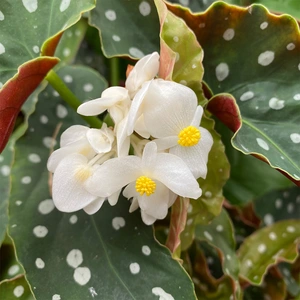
160,120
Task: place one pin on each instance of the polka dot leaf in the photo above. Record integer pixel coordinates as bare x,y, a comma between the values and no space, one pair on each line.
21,67
17,288
278,205
92,254
126,28
266,247
254,55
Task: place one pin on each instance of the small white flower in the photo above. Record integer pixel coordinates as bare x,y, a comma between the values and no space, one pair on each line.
153,181
171,115
145,69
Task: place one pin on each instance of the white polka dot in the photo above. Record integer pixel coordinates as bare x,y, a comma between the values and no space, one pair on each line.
264,25
299,67
30,5
74,258
61,111
208,235
26,180
228,256
208,194
68,78
77,32
194,66
34,158
272,236
276,104
49,142
189,222
111,15
40,264
18,202
222,71
190,208
184,2
146,250
145,8
18,290
177,56
69,34
93,292
290,46
158,291
262,144
56,297
290,229
40,231
118,222
228,34
1,16
261,248
278,203
116,38
290,208
5,170
13,270
64,5
2,49
135,52
295,137
36,49
219,228
184,82
297,97
46,206
298,198
268,219
134,268
175,39
247,96
82,275
73,219
66,52
88,87
44,119
266,58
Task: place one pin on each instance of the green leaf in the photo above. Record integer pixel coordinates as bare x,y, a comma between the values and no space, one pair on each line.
126,28
249,178
209,205
278,205
266,247
120,257
219,233
15,289
263,79
292,285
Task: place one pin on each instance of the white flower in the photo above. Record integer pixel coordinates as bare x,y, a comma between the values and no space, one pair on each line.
153,181
171,115
114,99
145,69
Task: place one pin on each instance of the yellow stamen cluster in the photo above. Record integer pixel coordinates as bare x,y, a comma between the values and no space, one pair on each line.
189,136
82,173
145,185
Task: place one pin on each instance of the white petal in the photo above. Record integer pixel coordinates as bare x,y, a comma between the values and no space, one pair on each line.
73,134
94,206
80,146
68,191
197,117
116,92
166,142
123,140
175,174
134,205
113,199
113,175
92,108
168,107
140,128
196,156
144,70
149,156
135,110
101,139
130,191
156,205
148,220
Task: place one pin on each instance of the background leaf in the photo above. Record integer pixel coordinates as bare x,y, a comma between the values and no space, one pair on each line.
15,289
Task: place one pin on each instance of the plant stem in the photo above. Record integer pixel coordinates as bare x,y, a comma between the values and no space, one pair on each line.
58,84
114,71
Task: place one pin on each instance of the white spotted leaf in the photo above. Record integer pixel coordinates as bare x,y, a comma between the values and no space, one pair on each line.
266,247
126,28
93,255
16,288
265,89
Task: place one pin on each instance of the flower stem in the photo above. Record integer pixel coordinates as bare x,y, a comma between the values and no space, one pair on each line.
114,71
58,84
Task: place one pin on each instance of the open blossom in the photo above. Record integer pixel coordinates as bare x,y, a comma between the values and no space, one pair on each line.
171,115
153,181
